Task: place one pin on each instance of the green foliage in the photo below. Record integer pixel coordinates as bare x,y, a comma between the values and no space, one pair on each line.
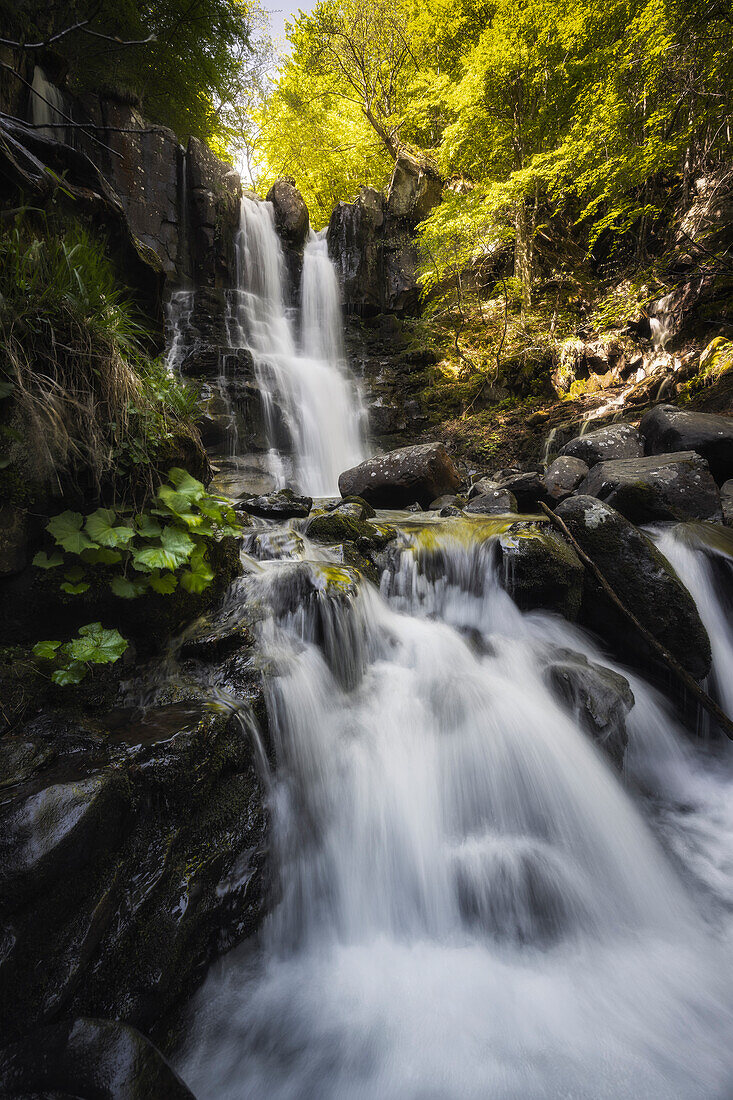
154,550
91,400
190,67
93,645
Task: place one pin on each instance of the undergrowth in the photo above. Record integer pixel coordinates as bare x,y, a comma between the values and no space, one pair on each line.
83,402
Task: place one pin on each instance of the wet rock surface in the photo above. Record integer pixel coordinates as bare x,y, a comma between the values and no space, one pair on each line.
402,477
676,486
283,504
598,698
540,570
85,1057
666,429
643,580
133,851
292,225
605,444
564,476
492,502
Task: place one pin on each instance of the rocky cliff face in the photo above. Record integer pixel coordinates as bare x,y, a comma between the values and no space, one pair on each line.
371,241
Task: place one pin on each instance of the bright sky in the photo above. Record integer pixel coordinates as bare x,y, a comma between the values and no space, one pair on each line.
279,11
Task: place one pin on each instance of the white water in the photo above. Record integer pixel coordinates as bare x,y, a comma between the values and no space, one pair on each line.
471,904
48,108
307,392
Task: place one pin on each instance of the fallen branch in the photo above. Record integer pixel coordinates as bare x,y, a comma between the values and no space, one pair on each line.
691,685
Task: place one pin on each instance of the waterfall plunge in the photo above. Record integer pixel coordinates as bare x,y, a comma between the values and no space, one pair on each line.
470,904
307,394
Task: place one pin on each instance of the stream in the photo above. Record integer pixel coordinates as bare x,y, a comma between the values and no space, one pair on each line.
471,901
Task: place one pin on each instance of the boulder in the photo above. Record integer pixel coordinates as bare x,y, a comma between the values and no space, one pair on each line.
399,478
605,444
564,476
414,189
492,502
643,580
598,698
448,500
292,225
528,488
291,213
104,1059
667,429
283,504
675,486
483,485
726,502
540,570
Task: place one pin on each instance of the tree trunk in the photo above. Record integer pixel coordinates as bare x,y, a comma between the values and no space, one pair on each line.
523,248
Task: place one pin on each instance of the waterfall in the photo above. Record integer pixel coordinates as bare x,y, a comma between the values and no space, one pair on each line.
47,107
311,405
470,903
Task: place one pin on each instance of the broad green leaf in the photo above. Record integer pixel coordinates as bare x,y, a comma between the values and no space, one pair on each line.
44,561
4,463
100,526
185,483
47,650
179,504
75,589
127,589
75,574
67,532
177,542
147,526
97,645
74,673
102,556
164,583
196,582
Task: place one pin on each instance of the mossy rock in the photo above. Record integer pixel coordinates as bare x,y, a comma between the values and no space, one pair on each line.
540,570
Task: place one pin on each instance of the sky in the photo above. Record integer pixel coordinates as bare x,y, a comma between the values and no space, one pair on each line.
279,11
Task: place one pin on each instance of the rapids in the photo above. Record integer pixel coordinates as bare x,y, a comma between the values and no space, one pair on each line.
470,901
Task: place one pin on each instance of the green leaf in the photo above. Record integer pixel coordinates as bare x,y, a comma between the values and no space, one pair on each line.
185,483
73,673
175,548
75,574
101,527
200,575
127,589
164,583
4,463
47,650
147,526
43,561
67,532
102,556
75,589
97,645
179,504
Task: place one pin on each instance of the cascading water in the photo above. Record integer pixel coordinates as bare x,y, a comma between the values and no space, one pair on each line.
48,108
312,407
470,904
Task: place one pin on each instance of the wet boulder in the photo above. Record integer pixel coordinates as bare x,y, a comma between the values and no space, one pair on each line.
491,503
292,225
676,486
564,476
667,429
56,830
527,487
605,444
598,698
402,477
104,1059
540,570
643,580
283,504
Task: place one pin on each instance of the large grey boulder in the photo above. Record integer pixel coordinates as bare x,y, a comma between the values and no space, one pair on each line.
598,698
528,488
666,429
402,477
676,486
645,583
605,444
564,476
413,191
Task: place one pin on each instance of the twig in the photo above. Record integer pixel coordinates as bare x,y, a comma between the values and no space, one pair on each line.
90,126
691,685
